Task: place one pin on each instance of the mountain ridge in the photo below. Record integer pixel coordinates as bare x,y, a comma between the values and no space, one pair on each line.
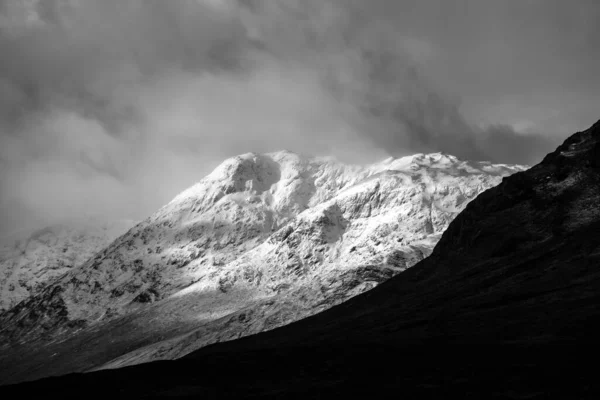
34,259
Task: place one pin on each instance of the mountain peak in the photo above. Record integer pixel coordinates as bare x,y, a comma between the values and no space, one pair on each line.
263,240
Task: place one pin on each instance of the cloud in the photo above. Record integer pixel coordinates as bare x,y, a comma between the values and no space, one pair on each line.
112,107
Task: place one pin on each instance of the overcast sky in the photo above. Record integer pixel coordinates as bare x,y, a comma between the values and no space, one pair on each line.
112,107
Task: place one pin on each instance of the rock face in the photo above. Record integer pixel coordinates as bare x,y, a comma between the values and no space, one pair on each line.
262,241
31,263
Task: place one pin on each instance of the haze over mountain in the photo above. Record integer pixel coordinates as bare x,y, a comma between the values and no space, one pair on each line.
505,307
29,263
260,242
115,106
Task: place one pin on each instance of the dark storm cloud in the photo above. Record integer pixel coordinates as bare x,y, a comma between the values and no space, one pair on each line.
75,55
111,107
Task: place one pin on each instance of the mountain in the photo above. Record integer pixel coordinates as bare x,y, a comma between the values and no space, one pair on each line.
34,260
505,307
262,241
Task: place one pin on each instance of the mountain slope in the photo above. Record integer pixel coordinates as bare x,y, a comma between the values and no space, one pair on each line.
32,262
262,241
505,307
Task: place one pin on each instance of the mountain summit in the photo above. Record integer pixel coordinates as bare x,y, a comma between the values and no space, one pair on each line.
262,241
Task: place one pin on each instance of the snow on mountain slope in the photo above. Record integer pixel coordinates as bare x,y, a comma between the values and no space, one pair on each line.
260,242
37,258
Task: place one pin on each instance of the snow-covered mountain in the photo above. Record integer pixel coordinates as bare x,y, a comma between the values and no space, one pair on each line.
35,259
506,307
262,241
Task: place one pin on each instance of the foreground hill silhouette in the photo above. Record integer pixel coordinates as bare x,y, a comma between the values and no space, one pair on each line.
507,306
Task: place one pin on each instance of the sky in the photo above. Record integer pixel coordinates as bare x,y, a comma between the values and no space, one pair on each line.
109,108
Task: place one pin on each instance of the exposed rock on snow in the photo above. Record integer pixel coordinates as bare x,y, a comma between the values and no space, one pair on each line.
262,241
35,260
